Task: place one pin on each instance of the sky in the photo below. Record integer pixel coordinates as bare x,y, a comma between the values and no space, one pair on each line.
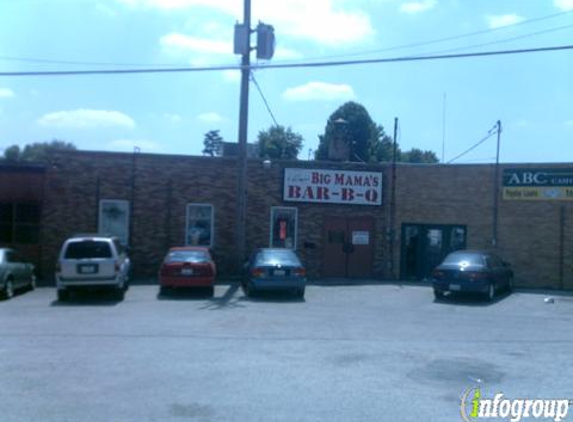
446,106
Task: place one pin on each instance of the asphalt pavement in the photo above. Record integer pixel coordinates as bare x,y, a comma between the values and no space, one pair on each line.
345,353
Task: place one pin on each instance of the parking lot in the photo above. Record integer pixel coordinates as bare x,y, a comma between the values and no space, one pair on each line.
345,353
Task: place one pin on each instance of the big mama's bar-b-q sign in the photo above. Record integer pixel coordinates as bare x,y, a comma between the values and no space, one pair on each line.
333,186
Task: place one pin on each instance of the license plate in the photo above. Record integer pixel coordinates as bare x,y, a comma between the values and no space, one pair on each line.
279,273
186,271
455,287
87,269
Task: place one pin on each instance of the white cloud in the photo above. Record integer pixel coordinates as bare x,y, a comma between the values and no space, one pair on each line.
319,91
6,93
86,119
564,5
497,21
130,144
173,117
417,6
180,43
323,21
211,117
232,76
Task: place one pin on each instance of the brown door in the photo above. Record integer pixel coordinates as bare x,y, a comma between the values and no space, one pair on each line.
348,247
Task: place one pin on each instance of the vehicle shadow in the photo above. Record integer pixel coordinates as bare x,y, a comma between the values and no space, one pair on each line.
273,296
185,293
89,298
469,299
227,301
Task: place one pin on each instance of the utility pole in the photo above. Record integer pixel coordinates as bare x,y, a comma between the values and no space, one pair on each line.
243,130
392,218
496,188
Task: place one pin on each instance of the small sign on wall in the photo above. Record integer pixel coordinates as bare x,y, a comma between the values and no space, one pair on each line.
360,237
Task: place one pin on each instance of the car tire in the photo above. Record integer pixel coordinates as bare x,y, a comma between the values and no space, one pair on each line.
164,291
211,291
300,293
510,285
250,290
490,294
32,283
438,294
9,289
63,295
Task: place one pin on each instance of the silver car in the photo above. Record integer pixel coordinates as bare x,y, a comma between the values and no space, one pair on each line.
15,273
92,261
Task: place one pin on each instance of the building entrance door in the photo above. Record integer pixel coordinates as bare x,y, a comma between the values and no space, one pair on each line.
348,247
424,246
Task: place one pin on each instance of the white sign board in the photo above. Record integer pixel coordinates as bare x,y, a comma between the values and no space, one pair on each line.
333,186
360,238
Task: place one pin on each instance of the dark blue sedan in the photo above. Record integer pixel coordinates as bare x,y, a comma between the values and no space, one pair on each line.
274,269
479,272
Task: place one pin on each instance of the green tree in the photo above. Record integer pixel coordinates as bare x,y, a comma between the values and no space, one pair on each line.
351,123
416,155
279,143
36,152
213,143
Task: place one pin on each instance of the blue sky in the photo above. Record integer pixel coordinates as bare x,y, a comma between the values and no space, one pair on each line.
532,94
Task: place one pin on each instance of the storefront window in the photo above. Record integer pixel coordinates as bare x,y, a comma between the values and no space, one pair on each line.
199,229
20,223
114,219
283,227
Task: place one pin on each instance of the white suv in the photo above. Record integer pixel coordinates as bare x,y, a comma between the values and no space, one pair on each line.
88,261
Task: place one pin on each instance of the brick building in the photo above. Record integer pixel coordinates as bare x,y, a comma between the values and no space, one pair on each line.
344,219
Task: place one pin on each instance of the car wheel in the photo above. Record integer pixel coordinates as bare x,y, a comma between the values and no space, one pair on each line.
164,291
510,284
438,294
9,289
211,291
300,293
490,292
250,290
33,283
63,295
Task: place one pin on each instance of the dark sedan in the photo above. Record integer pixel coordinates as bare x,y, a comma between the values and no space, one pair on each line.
274,269
478,272
15,273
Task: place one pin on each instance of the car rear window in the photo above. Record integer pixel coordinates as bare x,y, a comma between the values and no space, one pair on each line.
274,257
88,249
187,256
467,258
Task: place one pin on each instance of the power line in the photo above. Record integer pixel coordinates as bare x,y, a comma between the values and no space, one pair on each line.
288,65
490,133
263,97
368,52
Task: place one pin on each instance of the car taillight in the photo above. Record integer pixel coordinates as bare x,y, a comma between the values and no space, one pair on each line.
257,272
438,275
299,272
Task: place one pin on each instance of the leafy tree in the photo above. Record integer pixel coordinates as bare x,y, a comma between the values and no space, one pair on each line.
416,155
351,123
279,143
36,152
382,147
213,143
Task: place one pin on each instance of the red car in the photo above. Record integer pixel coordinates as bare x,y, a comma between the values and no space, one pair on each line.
190,266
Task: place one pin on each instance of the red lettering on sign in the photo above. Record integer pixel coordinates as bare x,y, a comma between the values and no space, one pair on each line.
347,194
371,195
294,192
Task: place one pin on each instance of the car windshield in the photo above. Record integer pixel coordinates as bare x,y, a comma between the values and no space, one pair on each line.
88,249
187,256
277,257
464,259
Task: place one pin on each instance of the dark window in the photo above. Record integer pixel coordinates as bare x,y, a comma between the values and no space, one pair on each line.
88,249
20,222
